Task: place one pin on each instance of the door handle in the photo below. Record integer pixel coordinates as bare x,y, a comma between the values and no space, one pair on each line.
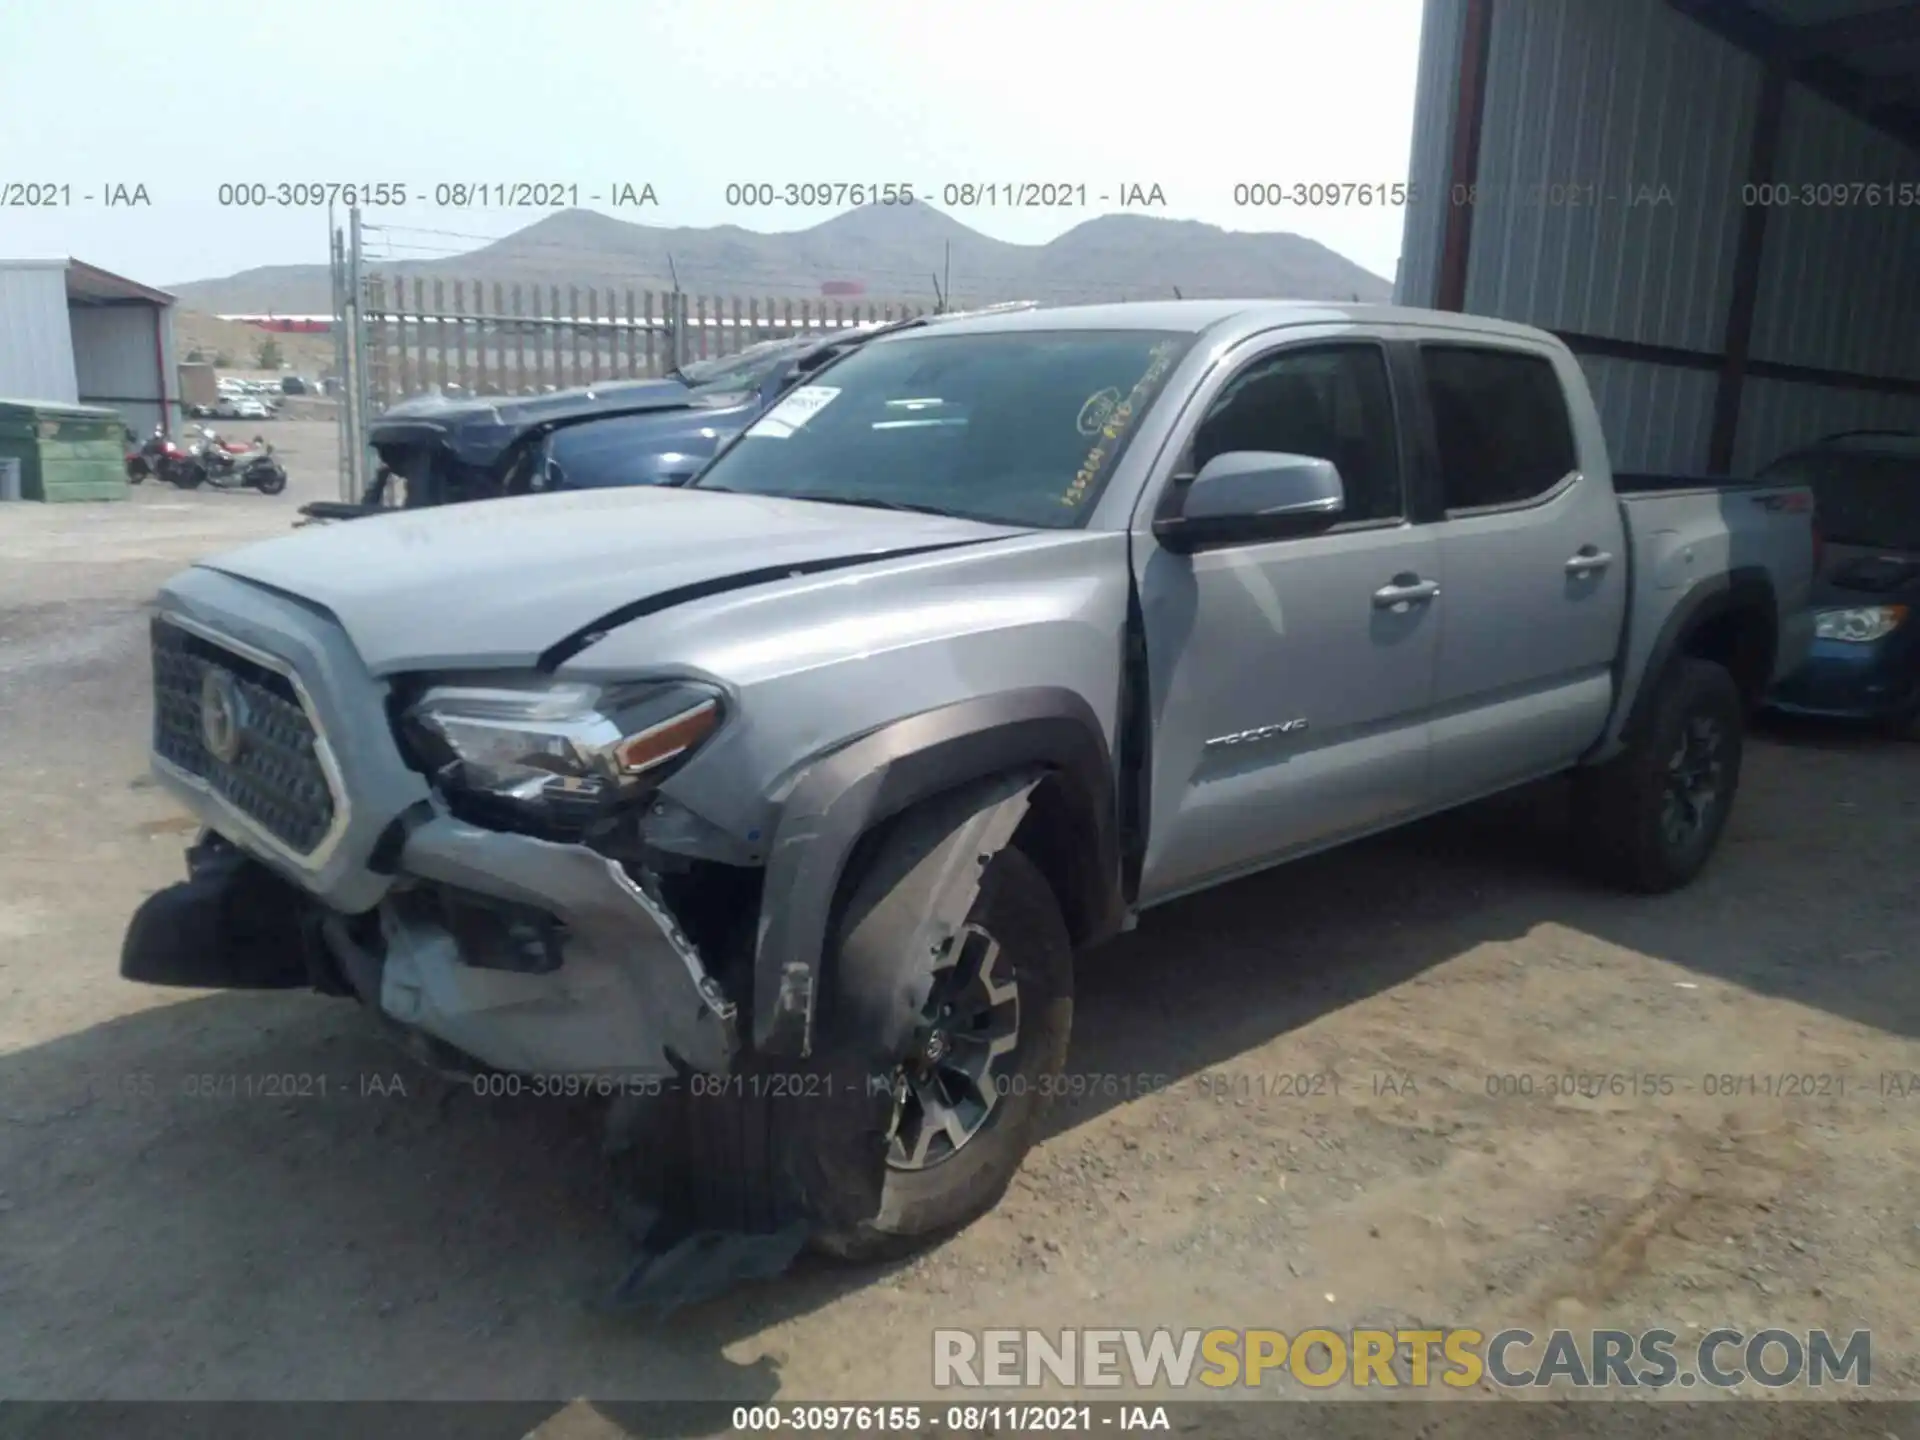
1405,590
1588,560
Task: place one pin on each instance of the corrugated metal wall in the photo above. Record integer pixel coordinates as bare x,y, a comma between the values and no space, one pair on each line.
36,351
1436,83
1614,151
1776,415
1657,417
1839,285
118,365
1840,281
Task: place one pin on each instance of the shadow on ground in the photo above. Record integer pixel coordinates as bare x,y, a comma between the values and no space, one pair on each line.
377,1231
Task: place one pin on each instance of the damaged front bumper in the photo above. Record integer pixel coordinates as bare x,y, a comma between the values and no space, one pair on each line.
418,913
623,992
629,994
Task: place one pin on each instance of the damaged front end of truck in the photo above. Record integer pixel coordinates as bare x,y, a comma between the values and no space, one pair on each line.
460,871
494,863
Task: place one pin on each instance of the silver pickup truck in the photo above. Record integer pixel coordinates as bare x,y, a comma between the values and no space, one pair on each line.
787,798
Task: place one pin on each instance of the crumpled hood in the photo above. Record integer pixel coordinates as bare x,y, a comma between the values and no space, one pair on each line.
498,583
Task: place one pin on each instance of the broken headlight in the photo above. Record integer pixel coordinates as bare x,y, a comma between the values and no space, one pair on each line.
557,754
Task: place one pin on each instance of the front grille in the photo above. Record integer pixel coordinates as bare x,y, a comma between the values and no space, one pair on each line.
274,778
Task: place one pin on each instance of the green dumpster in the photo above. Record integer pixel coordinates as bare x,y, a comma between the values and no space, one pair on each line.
63,452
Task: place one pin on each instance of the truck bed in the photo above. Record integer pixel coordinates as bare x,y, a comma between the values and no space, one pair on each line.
1689,534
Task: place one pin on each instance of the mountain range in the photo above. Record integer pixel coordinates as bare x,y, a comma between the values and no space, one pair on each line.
894,252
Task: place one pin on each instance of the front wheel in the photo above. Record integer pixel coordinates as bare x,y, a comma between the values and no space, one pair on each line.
187,477
876,1161
1653,815
988,1057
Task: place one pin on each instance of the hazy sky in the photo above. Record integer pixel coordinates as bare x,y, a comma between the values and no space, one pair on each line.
182,95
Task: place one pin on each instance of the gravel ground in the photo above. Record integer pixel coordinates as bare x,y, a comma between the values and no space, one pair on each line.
401,1237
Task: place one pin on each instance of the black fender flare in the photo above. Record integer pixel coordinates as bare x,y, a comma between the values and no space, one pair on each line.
1746,587
845,794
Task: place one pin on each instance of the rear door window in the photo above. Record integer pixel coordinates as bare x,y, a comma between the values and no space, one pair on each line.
1500,425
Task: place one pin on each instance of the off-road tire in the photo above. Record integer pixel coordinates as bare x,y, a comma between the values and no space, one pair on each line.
1618,806
1018,908
806,1143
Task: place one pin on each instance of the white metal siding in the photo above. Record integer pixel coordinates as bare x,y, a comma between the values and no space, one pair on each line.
1594,114
1436,84
1655,417
1617,100
1777,415
117,363
1840,281
36,350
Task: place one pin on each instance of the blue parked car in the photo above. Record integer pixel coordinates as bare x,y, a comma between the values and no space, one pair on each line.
436,450
1865,662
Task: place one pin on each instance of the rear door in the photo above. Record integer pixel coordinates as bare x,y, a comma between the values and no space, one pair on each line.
1533,565
1290,679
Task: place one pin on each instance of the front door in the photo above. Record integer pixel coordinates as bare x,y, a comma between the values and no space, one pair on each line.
1290,679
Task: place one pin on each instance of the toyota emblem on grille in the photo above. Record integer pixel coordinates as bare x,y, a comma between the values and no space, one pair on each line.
223,716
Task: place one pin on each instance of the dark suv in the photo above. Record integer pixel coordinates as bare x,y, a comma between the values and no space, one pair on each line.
1866,653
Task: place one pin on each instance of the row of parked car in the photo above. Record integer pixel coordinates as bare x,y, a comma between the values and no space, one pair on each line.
250,399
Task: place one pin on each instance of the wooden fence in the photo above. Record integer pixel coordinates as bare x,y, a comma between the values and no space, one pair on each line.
492,338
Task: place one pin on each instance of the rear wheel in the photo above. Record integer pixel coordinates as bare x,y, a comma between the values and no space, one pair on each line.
1653,815
269,481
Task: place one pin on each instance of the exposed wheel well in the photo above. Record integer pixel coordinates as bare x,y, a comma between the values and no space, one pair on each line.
1741,639
1055,836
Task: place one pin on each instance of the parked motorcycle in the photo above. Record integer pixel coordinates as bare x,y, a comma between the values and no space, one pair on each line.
239,467
161,458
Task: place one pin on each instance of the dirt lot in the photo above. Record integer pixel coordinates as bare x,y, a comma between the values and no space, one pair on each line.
155,1242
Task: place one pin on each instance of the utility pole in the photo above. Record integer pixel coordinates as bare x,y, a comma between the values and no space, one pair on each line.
677,324
342,371
357,352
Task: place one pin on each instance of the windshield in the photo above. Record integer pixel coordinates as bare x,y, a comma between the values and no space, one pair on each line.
742,371
1017,427
1859,498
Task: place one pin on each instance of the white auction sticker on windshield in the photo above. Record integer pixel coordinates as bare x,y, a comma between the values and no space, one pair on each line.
795,410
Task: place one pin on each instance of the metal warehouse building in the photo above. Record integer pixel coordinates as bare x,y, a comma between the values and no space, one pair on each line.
1716,203
73,334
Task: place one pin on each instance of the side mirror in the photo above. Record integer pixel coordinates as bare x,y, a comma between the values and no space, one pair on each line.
1250,495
